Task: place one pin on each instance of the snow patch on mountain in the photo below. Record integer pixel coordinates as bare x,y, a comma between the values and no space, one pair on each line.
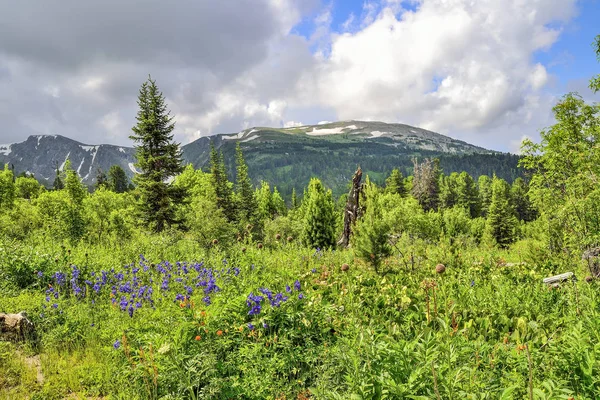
376,134
132,168
64,162
250,138
88,148
234,137
5,149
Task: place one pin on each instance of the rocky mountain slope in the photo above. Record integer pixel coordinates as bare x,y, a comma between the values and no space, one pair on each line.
286,157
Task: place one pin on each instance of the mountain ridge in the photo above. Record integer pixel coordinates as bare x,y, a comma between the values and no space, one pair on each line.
286,157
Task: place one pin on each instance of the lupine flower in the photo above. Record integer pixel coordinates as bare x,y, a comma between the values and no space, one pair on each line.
265,325
472,283
206,300
297,285
250,326
288,288
300,296
54,305
314,270
117,344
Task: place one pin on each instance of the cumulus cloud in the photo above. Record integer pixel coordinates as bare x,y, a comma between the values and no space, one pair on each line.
458,67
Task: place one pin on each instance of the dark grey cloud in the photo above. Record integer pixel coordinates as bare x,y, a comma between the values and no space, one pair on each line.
74,67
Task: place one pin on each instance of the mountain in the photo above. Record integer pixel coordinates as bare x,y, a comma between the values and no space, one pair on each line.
285,157
41,155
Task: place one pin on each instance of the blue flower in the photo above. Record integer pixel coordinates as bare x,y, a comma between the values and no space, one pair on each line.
265,325
288,288
297,285
472,283
300,296
255,310
40,274
47,298
314,270
250,326
206,300
179,297
117,344
54,305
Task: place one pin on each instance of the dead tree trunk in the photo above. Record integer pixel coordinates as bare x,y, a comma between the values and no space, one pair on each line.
353,209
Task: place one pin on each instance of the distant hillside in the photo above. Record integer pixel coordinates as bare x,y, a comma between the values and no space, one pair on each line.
286,157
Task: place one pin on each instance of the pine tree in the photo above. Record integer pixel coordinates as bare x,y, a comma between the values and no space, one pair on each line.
223,187
294,204
279,207
467,195
159,158
520,200
448,190
264,201
501,222
101,180
117,179
247,207
484,184
319,217
58,183
371,237
395,183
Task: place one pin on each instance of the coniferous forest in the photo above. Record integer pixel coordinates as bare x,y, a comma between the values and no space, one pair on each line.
186,284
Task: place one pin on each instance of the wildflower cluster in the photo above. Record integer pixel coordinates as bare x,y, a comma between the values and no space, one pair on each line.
254,302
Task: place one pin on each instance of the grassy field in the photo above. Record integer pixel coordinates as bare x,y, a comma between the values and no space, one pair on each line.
160,318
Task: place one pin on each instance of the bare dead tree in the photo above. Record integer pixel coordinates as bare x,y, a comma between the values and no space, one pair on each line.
352,210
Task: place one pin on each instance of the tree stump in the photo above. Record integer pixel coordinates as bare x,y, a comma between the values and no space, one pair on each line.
592,256
352,210
15,326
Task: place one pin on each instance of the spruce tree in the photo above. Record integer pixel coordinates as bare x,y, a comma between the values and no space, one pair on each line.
247,207
371,238
319,217
101,180
159,158
501,222
520,200
223,188
395,183
294,204
467,195
117,179
58,183
484,184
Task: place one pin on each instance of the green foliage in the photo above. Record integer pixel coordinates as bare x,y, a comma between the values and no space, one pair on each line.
319,218
101,180
595,81
223,188
520,200
565,166
247,205
117,179
27,187
371,235
7,188
395,183
501,222
484,184
158,159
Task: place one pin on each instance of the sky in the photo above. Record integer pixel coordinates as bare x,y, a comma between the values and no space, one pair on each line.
485,71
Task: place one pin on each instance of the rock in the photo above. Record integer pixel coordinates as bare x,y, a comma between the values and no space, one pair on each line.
15,326
440,268
589,279
345,267
277,237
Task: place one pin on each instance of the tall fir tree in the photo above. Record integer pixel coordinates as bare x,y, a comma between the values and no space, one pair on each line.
223,188
319,217
395,183
501,224
371,238
247,207
117,179
484,185
294,204
58,183
467,195
520,200
159,159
